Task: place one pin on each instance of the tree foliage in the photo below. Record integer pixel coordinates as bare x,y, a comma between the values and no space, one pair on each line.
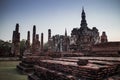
5,48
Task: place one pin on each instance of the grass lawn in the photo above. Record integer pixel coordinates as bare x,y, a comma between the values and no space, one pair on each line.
8,71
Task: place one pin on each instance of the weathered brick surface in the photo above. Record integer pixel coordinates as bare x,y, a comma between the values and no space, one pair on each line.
47,74
59,55
27,64
91,71
68,69
106,49
82,62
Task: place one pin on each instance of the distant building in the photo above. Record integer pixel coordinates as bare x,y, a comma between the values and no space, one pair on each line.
58,43
83,38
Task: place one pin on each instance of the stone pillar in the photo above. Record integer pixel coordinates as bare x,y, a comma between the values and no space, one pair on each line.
104,38
37,40
49,34
41,42
34,39
15,50
28,39
17,28
27,48
49,40
28,36
34,34
37,45
65,42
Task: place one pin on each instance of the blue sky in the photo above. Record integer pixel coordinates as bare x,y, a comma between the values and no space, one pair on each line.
58,15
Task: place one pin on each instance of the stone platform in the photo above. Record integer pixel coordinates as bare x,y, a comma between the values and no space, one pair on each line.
27,64
47,74
67,69
25,68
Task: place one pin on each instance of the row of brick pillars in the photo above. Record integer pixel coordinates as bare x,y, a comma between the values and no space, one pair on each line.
37,47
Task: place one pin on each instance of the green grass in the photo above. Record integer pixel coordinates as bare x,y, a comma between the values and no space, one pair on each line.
8,71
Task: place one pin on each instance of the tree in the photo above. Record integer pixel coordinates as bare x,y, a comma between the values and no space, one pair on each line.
5,48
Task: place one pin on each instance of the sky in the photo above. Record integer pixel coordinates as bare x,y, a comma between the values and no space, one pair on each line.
58,15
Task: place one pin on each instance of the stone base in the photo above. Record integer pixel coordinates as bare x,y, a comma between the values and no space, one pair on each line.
47,74
26,66
24,70
68,69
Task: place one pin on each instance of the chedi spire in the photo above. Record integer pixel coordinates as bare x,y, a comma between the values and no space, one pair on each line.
83,16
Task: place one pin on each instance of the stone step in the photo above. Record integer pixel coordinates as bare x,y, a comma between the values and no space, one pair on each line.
92,71
33,77
26,65
47,74
110,59
28,62
99,62
24,70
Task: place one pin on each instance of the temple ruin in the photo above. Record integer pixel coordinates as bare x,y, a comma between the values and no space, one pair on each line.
27,45
83,38
82,56
15,50
35,42
58,43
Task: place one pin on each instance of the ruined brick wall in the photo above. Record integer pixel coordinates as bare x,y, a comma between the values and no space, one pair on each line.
49,69
109,46
108,49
